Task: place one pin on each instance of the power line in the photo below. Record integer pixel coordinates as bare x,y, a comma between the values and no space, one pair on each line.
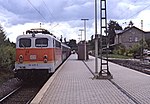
136,12
37,10
139,11
50,13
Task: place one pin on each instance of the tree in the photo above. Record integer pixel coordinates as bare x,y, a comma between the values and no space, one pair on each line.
7,51
72,44
112,26
61,38
129,25
2,35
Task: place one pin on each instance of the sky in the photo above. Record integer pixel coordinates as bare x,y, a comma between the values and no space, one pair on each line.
63,17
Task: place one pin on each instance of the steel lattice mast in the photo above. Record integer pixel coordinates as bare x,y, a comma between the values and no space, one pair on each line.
104,43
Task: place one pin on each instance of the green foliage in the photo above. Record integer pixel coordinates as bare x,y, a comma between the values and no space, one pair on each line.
120,49
130,24
7,51
112,26
7,57
2,35
118,56
134,50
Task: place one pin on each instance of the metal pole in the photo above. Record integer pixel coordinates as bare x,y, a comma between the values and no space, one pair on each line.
81,33
96,40
85,37
142,48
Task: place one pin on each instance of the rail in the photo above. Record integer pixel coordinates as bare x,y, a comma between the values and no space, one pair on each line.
5,97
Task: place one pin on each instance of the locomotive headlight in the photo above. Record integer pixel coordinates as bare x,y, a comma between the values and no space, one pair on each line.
21,58
45,56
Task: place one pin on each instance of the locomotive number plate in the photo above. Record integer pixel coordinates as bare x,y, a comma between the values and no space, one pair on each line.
33,65
32,57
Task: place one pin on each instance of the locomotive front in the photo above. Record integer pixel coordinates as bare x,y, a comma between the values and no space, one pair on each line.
36,54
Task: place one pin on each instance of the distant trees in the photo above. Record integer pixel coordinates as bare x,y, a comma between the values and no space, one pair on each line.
2,35
112,26
7,51
129,25
72,44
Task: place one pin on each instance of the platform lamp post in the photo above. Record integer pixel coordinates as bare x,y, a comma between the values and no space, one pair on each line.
96,40
142,47
85,36
81,33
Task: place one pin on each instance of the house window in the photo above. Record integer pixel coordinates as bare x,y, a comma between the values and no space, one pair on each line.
130,39
136,39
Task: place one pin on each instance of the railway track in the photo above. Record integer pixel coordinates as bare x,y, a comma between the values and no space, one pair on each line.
5,97
22,95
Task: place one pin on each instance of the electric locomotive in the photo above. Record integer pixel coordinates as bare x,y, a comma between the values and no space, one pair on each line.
38,54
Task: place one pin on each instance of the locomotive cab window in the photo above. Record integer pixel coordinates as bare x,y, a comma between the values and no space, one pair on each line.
41,42
24,42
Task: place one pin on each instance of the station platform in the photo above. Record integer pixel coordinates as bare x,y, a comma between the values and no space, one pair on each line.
73,83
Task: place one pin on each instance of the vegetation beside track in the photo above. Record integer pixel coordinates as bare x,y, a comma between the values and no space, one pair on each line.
118,56
7,56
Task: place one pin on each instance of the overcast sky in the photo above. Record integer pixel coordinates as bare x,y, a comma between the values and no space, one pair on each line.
63,17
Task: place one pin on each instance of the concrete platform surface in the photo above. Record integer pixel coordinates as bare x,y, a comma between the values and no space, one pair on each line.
73,83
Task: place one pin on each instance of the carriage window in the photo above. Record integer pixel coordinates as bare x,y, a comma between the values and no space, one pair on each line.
58,44
24,42
41,42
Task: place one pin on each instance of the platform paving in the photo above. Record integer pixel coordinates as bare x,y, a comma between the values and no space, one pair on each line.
74,84
134,83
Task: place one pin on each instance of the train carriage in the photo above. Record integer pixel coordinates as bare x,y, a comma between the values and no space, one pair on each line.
38,53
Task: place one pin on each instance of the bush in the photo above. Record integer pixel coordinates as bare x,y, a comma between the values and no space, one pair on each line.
7,57
120,49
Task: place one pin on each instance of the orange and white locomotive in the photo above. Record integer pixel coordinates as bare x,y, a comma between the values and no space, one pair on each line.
38,53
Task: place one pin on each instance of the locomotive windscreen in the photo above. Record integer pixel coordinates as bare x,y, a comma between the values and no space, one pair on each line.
24,42
41,42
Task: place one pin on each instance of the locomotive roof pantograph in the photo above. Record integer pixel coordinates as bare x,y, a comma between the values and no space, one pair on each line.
38,30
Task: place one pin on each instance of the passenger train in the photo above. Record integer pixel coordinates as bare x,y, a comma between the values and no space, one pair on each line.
38,53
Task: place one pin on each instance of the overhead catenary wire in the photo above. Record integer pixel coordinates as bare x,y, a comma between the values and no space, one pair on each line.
49,11
140,11
37,10
130,17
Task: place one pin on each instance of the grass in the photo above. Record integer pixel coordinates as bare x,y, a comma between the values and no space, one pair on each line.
118,56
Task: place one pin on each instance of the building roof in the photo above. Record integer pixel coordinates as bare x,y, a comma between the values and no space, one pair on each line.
146,33
123,31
